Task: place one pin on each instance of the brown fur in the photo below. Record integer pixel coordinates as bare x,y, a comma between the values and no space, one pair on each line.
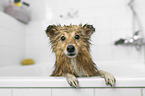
83,59
80,66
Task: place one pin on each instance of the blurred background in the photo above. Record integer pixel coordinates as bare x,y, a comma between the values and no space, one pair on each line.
113,19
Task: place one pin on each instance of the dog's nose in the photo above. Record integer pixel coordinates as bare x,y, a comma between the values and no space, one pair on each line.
70,48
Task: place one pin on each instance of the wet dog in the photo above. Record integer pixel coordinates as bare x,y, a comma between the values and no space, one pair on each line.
71,45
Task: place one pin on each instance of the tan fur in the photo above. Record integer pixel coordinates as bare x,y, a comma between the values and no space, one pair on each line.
80,66
63,64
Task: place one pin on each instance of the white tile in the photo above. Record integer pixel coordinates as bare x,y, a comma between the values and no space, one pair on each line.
12,38
33,53
46,55
136,55
11,55
4,37
117,10
36,35
116,3
117,22
143,92
10,22
31,92
39,12
40,55
118,92
102,22
72,92
102,52
5,92
120,52
101,38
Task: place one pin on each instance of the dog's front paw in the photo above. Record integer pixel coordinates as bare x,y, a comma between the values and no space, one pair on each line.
110,79
72,80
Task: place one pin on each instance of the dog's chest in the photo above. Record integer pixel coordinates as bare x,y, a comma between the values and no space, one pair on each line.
78,69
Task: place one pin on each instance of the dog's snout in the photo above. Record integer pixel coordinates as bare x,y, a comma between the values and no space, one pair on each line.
70,48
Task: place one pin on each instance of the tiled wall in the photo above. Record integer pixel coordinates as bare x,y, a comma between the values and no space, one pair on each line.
73,92
112,20
12,40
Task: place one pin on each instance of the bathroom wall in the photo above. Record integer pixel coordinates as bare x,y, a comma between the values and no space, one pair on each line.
37,43
72,92
111,18
12,40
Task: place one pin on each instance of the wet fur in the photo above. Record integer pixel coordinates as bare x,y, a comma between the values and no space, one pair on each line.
63,64
80,66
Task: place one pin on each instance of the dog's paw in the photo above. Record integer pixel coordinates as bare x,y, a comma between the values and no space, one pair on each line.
110,79
72,80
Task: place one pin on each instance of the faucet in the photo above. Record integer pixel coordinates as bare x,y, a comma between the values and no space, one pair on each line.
136,40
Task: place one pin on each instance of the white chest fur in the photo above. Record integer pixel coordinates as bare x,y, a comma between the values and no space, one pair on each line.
77,69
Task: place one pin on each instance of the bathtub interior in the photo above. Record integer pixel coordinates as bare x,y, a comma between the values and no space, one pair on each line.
125,70
28,70
117,69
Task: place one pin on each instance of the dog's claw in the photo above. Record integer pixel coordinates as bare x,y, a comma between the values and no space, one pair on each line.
110,79
72,80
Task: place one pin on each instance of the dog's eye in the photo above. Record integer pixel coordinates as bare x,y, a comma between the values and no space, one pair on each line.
62,38
77,37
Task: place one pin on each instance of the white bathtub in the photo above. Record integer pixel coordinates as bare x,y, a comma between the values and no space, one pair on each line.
127,75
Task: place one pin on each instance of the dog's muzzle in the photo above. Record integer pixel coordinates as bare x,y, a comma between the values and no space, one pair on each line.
71,52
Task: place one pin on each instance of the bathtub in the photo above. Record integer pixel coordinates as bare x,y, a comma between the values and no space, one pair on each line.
127,75
130,80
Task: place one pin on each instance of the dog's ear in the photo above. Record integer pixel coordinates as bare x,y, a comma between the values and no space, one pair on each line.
51,30
88,29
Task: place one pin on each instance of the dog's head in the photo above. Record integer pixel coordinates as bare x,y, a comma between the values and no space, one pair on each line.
70,40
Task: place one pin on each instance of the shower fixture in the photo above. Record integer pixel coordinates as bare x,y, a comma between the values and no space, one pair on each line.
137,39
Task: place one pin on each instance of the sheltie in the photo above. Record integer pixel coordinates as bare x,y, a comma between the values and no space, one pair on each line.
71,45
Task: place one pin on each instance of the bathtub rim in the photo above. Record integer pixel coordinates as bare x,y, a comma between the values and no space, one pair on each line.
60,82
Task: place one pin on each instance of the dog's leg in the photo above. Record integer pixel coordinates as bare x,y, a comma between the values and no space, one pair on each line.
109,78
72,80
